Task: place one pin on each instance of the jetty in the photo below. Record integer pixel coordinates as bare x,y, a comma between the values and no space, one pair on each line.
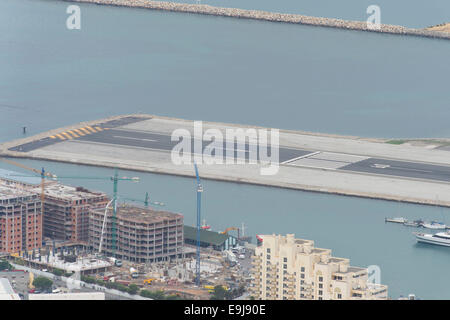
269,16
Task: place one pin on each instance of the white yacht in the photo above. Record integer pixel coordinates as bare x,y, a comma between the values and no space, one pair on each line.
434,225
440,238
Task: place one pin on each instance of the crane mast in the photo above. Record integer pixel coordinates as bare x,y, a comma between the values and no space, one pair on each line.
199,204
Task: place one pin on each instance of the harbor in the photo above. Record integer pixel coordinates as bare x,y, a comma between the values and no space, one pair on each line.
140,69
269,16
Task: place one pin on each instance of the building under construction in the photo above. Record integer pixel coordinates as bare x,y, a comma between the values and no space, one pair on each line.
66,211
20,220
142,235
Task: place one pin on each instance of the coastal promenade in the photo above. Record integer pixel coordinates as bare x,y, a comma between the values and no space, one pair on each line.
268,16
326,163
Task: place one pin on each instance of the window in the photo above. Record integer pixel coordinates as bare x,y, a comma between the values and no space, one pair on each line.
302,276
302,269
268,257
320,279
268,250
339,296
285,266
320,285
285,259
320,292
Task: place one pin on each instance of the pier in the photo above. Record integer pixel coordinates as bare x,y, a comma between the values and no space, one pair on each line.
268,16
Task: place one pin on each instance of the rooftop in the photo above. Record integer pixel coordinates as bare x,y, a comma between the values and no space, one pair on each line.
58,190
140,214
209,237
9,192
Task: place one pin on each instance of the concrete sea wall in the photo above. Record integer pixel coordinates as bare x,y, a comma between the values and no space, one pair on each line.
268,16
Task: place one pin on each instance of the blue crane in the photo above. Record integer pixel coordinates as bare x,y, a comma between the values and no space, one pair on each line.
199,207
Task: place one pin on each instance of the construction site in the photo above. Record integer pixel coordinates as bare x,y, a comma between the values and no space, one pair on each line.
76,232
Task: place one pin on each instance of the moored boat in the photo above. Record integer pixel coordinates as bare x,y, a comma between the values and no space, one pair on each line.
396,220
440,238
434,225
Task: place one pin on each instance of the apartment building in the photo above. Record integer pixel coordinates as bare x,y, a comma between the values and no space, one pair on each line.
285,268
143,235
20,220
66,211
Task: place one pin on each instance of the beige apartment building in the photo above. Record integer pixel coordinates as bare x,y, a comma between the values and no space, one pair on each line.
285,268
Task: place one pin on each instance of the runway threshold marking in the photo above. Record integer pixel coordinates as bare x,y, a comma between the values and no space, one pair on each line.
91,129
73,134
85,130
68,136
81,133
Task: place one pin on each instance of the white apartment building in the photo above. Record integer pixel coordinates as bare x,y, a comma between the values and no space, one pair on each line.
285,268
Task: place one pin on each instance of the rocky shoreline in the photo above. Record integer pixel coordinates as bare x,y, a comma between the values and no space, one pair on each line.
268,16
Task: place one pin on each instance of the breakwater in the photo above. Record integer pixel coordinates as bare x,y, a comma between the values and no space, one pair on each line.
269,16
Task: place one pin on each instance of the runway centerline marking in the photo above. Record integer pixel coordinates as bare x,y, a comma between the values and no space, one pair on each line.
135,138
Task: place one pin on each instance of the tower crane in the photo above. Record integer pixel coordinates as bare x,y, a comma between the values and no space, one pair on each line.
199,204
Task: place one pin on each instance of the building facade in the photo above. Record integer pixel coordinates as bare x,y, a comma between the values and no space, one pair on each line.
285,268
143,235
20,220
66,211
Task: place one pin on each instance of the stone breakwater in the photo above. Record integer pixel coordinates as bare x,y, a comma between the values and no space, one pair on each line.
268,16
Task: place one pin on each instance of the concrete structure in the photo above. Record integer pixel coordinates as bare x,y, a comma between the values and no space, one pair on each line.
66,211
68,296
20,220
269,16
143,235
285,268
315,162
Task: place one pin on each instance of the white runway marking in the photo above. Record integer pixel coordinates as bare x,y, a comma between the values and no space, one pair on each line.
135,138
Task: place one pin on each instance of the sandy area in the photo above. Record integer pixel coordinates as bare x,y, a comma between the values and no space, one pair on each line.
444,27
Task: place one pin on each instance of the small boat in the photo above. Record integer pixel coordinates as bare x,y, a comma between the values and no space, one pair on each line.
434,225
205,226
440,238
415,223
396,220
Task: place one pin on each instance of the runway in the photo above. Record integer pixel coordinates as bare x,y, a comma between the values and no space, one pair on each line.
337,165
106,134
